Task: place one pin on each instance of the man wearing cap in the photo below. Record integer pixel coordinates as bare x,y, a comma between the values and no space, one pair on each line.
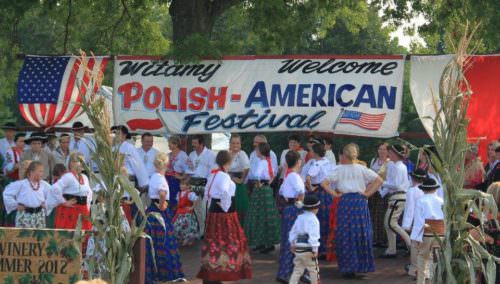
6,143
38,153
427,223
395,188
81,144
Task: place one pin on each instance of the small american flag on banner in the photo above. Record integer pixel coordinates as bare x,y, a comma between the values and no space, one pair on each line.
48,90
363,120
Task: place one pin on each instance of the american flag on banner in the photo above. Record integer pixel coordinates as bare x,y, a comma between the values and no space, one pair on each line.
48,89
363,120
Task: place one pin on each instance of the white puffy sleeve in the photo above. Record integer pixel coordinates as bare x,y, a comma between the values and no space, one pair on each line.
10,196
56,194
369,175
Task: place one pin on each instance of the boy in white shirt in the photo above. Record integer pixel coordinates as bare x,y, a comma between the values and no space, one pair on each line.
412,195
304,241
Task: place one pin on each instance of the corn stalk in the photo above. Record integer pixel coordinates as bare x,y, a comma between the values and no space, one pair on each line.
107,217
461,256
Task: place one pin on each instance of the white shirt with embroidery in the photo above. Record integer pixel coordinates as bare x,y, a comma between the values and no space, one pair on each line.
22,192
69,184
179,162
352,178
148,159
240,162
319,170
220,186
201,165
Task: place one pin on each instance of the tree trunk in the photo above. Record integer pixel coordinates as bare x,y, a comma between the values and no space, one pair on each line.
196,16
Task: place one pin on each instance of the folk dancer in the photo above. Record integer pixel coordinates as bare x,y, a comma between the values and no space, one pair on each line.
353,236
13,157
9,217
167,258
427,223
412,195
177,167
262,220
395,188
304,240
254,160
225,255
201,161
292,191
29,198
37,153
316,174
238,172
185,223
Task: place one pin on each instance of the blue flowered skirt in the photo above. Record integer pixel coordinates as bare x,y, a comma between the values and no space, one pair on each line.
174,186
168,261
323,217
354,236
290,213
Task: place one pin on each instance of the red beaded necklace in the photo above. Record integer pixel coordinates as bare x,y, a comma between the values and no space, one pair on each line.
78,177
35,188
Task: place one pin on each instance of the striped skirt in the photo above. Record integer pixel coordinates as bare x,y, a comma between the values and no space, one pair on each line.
168,261
290,213
354,235
262,224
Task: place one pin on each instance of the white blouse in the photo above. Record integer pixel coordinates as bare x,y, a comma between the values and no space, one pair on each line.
283,164
428,207
179,162
220,186
158,183
21,192
240,162
412,195
201,165
260,171
305,169
68,184
319,170
292,186
352,178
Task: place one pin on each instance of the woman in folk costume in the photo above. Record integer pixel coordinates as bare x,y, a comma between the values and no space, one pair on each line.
262,224
239,171
13,157
72,196
167,258
176,169
316,174
185,223
29,197
224,255
354,231
377,203
292,191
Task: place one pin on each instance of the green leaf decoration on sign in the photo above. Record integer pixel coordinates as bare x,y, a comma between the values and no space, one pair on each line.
73,279
52,248
46,278
40,234
65,234
8,280
70,252
24,234
26,279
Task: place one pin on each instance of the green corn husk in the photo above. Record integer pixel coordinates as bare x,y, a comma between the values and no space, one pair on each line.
461,258
107,217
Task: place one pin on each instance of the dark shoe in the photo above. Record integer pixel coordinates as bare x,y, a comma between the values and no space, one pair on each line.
279,280
304,280
407,268
267,250
258,248
322,257
348,275
388,256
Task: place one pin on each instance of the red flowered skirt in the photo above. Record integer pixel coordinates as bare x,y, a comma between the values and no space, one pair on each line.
330,248
224,255
67,217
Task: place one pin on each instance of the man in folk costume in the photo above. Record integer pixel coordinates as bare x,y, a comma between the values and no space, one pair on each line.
80,143
254,160
147,152
13,157
29,198
395,188
413,194
136,171
427,223
61,153
316,174
37,153
6,143
201,162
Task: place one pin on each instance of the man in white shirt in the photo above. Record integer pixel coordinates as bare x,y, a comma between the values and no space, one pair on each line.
395,188
254,161
9,131
81,144
201,162
147,152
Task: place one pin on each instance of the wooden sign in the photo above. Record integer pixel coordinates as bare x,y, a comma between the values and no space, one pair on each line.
38,256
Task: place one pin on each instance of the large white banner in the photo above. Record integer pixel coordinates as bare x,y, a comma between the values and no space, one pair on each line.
358,95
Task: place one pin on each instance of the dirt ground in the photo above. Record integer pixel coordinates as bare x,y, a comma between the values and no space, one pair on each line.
265,268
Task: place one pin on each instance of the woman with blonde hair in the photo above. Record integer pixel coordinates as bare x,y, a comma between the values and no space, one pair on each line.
353,236
166,265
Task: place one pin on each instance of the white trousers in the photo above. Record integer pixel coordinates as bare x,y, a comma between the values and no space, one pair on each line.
391,222
425,259
200,209
304,260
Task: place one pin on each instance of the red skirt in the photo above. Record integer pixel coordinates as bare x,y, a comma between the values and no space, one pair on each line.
330,249
127,209
224,255
67,217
